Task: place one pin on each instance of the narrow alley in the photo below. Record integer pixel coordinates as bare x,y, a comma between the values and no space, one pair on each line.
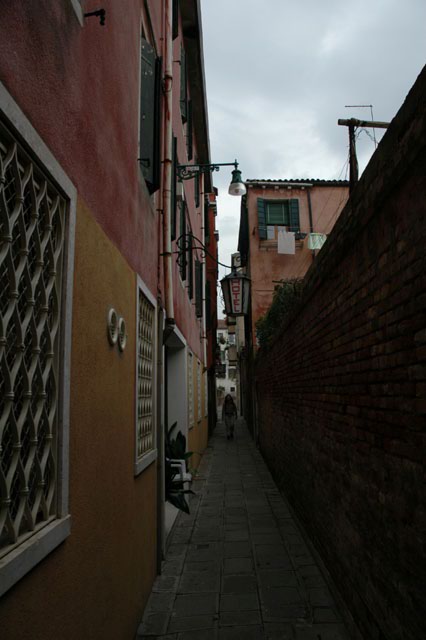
238,568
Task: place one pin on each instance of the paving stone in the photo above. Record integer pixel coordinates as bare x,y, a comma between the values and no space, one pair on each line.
198,634
202,552
320,597
325,614
278,631
199,582
165,583
198,605
234,536
321,632
201,567
228,618
238,565
154,624
238,602
172,567
192,622
277,578
175,550
160,602
254,632
240,549
239,584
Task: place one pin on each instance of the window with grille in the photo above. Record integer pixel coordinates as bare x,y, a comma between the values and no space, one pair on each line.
146,345
35,329
190,391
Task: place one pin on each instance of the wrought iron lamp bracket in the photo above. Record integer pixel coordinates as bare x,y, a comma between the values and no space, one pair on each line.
188,171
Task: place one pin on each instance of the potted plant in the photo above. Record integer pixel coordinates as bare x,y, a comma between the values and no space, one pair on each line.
176,474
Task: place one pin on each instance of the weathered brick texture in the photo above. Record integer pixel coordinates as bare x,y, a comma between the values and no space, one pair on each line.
342,392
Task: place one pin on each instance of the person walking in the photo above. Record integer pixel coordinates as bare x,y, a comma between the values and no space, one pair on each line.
229,415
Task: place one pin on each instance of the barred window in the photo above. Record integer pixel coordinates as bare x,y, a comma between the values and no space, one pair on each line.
145,417
35,325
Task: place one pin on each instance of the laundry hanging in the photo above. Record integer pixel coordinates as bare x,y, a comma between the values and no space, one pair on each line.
286,242
316,240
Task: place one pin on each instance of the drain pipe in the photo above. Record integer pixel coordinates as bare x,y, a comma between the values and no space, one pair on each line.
168,163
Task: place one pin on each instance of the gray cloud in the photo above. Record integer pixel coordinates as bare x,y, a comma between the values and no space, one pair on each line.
279,75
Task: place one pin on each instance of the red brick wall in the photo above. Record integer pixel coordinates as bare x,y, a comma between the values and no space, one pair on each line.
342,392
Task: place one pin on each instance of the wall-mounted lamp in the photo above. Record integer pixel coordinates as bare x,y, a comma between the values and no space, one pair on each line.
237,186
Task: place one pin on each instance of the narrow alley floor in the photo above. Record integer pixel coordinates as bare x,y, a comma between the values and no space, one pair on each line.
237,568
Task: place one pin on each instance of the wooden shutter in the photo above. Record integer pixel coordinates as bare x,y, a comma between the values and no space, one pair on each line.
189,138
175,19
173,190
190,267
149,129
183,86
208,305
294,215
182,241
198,289
261,216
206,220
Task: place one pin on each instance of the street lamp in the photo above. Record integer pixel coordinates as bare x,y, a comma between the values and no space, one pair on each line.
236,292
188,171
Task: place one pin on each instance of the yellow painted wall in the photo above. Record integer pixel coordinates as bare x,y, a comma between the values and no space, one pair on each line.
95,585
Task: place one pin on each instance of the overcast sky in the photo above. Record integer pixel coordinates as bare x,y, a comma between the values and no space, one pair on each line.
279,74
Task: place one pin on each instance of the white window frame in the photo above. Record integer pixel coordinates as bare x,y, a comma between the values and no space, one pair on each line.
36,546
146,460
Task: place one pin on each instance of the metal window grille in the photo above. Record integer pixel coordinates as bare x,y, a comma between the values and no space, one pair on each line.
145,417
32,228
190,391
199,416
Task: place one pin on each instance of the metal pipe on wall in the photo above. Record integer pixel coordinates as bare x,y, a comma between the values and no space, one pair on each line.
168,161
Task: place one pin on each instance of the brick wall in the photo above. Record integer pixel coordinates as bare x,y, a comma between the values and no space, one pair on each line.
342,392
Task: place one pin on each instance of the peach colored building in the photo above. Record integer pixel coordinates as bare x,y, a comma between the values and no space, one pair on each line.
309,208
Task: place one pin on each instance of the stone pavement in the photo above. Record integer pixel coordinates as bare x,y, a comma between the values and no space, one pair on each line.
237,568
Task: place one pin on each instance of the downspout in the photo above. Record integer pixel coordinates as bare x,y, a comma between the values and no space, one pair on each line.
165,324
168,163
203,279
311,221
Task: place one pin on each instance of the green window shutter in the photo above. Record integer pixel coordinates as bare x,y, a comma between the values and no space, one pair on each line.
206,220
149,129
294,222
198,289
173,190
208,306
261,218
189,131
183,86
190,266
175,19
182,241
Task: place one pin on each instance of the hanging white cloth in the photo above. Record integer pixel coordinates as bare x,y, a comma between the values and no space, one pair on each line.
286,241
316,240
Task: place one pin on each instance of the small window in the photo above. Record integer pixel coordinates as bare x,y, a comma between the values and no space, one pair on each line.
149,126
145,397
35,312
273,213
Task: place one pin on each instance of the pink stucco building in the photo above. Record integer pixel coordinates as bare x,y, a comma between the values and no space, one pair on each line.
309,208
